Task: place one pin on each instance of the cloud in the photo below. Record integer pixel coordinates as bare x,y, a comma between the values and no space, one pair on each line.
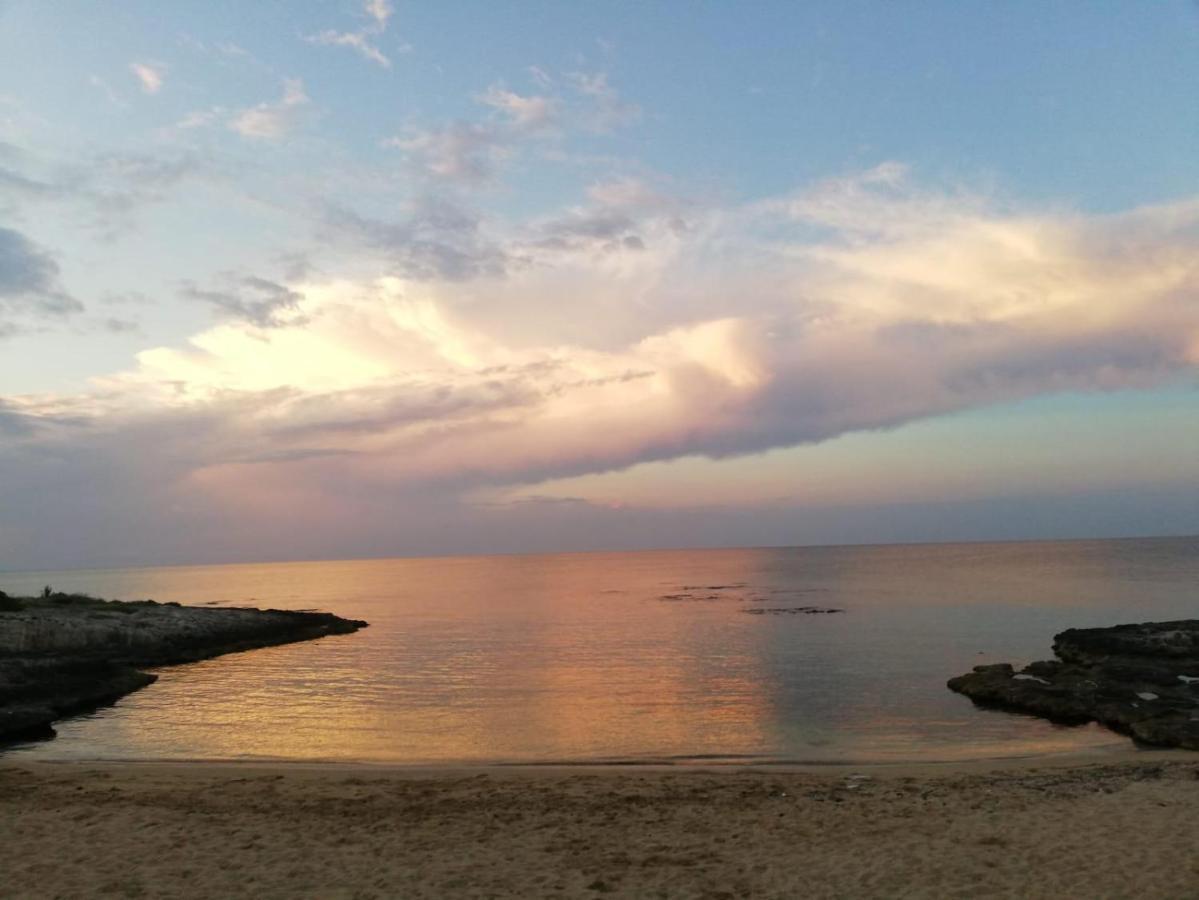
258,301
202,118
859,304
27,418
524,111
461,152
29,283
126,298
435,240
13,423
623,215
466,153
356,40
364,40
14,184
111,187
270,121
228,48
150,75
899,316
379,10
609,110
119,185
590,230
115,325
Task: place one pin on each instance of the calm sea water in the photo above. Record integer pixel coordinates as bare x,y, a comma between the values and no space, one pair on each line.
631,656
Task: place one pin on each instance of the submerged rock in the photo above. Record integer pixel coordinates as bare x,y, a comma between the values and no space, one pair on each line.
67,653
791,610
1142,680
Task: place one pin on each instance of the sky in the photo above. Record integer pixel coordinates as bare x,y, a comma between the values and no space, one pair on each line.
311,280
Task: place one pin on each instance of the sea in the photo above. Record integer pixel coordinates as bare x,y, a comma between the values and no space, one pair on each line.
773,655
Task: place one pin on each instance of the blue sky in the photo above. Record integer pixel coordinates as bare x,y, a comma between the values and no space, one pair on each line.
375,277
1056,100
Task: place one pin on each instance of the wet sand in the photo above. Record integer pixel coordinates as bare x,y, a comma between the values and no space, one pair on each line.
1117,826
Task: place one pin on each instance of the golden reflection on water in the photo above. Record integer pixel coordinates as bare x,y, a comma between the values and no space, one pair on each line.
577,657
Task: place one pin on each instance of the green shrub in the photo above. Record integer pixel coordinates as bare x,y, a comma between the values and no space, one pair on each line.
10,604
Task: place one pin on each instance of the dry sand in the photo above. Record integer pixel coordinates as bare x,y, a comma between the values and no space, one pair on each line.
1122,828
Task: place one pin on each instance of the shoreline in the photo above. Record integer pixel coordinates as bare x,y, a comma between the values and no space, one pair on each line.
1085,825
1128,754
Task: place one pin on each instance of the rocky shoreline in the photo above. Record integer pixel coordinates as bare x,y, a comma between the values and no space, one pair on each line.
1141,680
62,654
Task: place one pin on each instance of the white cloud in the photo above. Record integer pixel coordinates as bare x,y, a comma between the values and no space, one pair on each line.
910,306
365,40
541,76
861,304
470,153
609,110
150,75
270,121
355,40
380,11
524,111
460,152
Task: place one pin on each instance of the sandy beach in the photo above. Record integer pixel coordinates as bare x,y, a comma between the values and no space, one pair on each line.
1117,826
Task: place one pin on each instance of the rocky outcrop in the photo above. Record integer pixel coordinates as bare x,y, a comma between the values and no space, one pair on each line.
1142,680
34,692
65,653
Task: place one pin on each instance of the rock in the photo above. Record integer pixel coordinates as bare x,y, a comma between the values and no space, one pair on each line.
1150,641
36,691
27,721
64,654
790,611
1141,680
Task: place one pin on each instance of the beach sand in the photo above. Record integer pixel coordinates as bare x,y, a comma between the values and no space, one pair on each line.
1124,826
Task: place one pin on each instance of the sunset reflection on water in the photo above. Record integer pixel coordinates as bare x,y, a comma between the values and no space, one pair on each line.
577,657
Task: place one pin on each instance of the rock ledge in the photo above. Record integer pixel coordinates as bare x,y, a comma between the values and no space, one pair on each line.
62,654
1141,680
